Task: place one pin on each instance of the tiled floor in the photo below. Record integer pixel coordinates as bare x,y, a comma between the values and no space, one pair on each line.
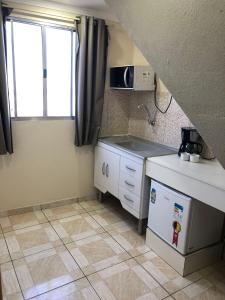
91,250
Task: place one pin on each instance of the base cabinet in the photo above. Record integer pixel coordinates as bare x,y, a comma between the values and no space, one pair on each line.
122,175
106,173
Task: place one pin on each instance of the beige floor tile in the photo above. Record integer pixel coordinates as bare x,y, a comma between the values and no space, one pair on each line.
76,227
45,271
164,274
217,268
110,219
90,205
126,281
78,290
10,285
4,253
212,286
19,221
97,252
64,211
128,237
31,240
202,290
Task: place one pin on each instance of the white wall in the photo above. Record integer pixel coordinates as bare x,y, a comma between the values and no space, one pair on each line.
45,166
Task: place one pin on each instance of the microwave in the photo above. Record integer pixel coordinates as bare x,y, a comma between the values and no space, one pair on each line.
138,78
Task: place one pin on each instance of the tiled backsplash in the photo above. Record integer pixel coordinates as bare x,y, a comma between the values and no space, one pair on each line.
121,116
115,118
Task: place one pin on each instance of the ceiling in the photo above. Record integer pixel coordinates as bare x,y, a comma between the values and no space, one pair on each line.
98,8
86,4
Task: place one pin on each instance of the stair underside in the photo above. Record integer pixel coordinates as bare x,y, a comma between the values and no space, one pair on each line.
185,43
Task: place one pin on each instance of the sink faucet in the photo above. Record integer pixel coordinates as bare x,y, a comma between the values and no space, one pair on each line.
151,120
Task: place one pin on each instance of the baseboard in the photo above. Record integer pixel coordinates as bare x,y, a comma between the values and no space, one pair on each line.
45,205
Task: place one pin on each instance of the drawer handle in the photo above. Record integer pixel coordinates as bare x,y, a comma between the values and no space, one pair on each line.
129,184
127,198
103,168
107,170
130,169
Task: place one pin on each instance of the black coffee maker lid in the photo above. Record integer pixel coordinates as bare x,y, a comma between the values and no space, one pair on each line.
189,128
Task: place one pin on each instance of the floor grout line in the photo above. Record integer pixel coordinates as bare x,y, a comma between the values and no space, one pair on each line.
93,288
53,247
53,288
39,223
131,257
49,222
15,273
86,211
173,293
85,276
78,239
153,278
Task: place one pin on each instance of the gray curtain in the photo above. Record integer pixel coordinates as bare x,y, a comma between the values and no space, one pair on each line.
5,121
90,79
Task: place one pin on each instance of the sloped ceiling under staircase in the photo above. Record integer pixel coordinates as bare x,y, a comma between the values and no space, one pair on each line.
185,43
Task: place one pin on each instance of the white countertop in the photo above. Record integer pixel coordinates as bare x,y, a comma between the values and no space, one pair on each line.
206,171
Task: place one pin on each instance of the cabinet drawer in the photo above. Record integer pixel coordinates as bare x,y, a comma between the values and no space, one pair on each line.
130,167
131,200
130,183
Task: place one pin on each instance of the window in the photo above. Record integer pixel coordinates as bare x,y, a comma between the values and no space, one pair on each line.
41,70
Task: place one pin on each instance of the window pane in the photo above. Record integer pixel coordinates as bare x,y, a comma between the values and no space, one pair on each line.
75,45
28,69
10,68
58,43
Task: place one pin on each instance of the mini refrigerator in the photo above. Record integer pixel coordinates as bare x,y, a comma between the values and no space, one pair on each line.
184,223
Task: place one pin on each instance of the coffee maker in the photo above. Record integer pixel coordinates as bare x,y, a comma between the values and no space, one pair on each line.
190,141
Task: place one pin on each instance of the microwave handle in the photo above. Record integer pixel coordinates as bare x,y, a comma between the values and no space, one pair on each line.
125,77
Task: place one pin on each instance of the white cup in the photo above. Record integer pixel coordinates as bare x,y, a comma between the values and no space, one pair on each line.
194,158
185,156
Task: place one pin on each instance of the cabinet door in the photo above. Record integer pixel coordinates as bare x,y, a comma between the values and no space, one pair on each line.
112,173
100,181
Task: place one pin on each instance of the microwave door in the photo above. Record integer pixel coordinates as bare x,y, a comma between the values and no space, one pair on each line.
117,77
125,78
128,77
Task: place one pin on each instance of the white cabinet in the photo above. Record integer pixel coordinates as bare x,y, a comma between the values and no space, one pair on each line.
106,173
123,175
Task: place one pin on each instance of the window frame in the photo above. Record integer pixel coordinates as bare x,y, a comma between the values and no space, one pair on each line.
43,26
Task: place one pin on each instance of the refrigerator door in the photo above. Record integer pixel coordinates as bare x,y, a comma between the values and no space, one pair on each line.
169,215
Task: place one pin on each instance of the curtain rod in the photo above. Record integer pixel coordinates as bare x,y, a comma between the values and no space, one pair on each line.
40,14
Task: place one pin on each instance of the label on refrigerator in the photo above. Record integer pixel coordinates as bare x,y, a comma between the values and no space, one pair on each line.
178,212
176,231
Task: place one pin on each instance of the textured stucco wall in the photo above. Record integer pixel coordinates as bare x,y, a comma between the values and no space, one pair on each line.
185,42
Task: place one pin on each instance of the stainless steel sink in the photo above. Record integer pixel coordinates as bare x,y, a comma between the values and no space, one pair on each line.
139,147
134,145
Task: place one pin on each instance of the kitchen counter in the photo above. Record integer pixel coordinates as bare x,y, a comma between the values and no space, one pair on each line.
138,147
204,181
